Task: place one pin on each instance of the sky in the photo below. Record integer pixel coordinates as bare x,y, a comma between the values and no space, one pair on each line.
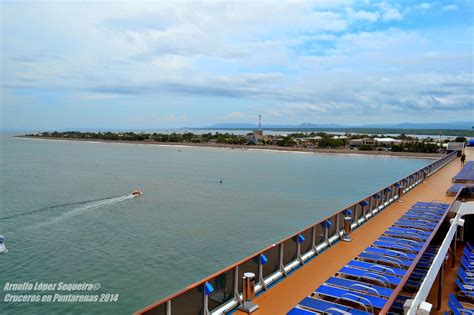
163,64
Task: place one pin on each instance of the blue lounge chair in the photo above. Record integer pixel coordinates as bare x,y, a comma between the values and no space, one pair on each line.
326,307
466,290
397,247
466,264
345,294
402,241
385,259
456,307
300,311
390,252
465,279
415,216
420,225
365,274
377,268
468,254
406,235
360,286
409,231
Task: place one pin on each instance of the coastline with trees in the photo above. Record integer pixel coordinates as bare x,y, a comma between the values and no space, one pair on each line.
318,142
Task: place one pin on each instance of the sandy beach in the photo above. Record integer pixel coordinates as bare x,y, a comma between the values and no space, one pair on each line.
253,147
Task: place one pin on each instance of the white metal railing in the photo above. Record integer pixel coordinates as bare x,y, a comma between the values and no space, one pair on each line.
464,209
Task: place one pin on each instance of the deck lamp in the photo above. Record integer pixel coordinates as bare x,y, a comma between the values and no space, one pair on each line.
400,190
300,238
263,259
347,226
248,294
364,203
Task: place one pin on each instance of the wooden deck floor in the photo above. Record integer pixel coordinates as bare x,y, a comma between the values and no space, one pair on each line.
286,294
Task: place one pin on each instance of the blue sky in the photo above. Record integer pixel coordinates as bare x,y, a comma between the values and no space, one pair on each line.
149,64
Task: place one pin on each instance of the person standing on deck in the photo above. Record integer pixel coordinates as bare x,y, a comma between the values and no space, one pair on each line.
463,159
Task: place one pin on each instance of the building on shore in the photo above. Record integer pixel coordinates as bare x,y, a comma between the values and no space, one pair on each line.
360,142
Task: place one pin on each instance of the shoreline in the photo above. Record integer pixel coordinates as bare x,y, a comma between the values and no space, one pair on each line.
252,147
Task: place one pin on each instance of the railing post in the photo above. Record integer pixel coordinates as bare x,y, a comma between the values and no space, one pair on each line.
338,225
236,284
356,210
364,205
313,240
168,307
371,206
453,261
299,241
282,267
208,289
327,225
376,201
440,287
262,261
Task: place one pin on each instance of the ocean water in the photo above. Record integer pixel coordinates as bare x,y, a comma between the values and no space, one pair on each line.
67,216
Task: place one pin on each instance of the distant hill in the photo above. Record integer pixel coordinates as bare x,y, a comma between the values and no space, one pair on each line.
463,125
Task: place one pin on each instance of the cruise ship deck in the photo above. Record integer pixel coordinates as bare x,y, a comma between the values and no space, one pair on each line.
314,265
283,296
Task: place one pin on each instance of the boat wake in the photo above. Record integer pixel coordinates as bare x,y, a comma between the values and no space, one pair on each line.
89,206
56,206
80,208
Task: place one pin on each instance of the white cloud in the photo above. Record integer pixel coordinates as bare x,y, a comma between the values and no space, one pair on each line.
389,13
424,6
298,58
363,15
449,7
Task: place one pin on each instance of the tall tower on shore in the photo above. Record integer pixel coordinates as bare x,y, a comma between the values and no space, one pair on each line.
260,123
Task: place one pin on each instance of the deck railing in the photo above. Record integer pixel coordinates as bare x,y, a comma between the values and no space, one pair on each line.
222,291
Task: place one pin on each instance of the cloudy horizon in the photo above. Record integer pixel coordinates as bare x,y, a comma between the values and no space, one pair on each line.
161,64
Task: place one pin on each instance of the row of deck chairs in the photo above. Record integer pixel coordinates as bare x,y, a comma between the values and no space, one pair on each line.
454,189
466,174
465,284
416,278
366,283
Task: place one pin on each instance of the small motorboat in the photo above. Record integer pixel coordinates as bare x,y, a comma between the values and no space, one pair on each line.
137,193
3,249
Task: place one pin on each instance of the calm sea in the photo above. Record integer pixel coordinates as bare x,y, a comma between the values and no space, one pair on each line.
187,225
